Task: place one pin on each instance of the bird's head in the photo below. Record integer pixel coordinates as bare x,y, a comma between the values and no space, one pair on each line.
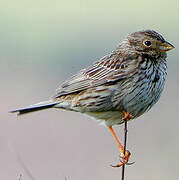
148,42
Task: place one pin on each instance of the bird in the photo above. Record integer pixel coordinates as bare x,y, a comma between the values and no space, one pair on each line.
119,87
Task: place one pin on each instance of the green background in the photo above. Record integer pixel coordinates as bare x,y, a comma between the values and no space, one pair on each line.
44,42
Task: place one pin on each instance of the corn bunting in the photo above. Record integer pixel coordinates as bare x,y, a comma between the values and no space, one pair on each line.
120,86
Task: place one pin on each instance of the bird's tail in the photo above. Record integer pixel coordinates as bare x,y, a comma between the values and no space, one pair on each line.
35,107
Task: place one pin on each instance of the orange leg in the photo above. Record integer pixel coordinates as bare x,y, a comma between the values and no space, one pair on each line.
121,148
127,116
125,157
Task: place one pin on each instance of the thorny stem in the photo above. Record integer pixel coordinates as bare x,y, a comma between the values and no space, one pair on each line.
125,142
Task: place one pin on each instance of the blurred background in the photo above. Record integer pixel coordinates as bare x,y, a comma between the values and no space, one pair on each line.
44,42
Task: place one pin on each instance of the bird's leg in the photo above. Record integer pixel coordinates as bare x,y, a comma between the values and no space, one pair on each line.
124,156
127,116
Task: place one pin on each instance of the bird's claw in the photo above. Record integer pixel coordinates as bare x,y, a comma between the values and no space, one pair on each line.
124,160
122,164
127,116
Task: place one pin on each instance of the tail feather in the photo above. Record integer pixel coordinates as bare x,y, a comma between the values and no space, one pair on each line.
35,107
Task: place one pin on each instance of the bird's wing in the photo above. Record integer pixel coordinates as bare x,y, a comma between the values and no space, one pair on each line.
109,69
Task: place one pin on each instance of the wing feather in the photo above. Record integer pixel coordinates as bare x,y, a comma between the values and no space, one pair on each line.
109,69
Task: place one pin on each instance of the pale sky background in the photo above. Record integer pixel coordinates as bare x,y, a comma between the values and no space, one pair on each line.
44,42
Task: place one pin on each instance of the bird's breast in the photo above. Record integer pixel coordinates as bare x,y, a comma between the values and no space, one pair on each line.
146,88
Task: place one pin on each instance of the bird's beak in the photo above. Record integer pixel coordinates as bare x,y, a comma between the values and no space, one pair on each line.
166,46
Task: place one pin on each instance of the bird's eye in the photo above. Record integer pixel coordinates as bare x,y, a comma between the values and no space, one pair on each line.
147,43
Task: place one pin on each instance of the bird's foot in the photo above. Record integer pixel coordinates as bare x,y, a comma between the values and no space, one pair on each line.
127,116
124,160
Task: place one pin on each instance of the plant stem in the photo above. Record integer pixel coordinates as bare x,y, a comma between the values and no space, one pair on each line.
125,142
